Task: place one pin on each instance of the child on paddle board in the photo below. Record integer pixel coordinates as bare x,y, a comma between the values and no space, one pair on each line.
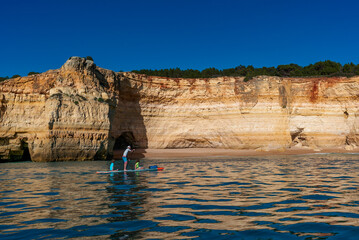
112,166
137,165
124,157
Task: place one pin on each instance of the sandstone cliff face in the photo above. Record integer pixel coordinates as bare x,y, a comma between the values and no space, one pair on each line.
59,115
264,113
79,111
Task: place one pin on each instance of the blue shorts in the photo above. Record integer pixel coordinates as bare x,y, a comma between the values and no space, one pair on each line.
124,159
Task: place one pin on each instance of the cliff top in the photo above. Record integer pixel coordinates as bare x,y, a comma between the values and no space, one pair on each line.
79,72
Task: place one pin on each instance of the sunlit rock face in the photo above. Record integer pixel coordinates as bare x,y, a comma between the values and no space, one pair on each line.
60,115
81,112
265,113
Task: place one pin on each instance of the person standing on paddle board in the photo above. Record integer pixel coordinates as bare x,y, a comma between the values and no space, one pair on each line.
124,157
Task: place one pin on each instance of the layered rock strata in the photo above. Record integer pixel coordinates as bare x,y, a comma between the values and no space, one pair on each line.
60,114
79,111
264,113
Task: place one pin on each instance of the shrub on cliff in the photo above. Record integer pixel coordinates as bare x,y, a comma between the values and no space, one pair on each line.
89,58
15,76
3,78
289,70
210,72
322,68
32,73
350,69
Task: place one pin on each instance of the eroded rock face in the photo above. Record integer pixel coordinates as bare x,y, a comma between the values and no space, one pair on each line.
79,111
265,113
59,115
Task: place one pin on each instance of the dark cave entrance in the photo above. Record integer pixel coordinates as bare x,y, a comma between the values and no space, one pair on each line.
21,155
26,153
126,139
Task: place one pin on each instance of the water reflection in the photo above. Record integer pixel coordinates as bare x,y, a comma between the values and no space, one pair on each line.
289,197
297,197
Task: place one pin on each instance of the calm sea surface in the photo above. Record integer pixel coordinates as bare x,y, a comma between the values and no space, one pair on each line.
281,197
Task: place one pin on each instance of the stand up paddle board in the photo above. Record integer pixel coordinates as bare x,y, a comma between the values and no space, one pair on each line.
138,170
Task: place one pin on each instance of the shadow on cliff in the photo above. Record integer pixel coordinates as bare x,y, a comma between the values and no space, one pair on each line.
127,124
3,106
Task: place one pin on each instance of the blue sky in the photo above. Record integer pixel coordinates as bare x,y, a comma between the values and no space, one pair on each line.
154,34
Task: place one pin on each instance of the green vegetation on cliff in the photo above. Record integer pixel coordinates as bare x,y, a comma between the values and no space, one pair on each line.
32,73
16,76
326,68
3,78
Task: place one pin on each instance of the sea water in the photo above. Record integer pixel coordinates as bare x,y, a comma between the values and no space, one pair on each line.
278,197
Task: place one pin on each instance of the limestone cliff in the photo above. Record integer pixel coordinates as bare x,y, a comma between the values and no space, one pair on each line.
60,114
80,111
264,113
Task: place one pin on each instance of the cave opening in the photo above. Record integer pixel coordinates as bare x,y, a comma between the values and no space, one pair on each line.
20,155
26,153
126,139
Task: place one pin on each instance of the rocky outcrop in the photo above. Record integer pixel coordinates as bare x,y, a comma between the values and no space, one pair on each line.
83,112
58,115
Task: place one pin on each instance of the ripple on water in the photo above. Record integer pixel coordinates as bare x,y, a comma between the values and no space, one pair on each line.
47,193
44,220
291,209
168,229
247,234
332,214
290,189
176,217
318,197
